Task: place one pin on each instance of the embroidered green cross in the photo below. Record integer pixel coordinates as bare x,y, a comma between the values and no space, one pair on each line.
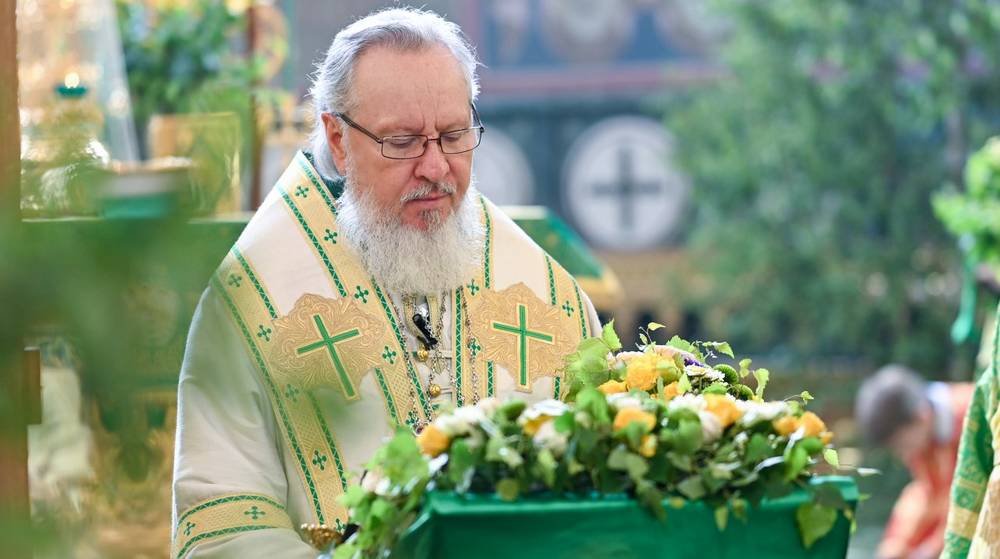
411,419
319,460
474,346
291,393
235,280
301,192
389,355
361,294
569,310
264,333
523,333
254,513
330,237
329,343
188,527
473,288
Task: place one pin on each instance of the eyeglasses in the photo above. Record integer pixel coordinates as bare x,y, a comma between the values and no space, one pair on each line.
412,146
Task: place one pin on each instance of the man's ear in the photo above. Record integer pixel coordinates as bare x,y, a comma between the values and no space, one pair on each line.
335,140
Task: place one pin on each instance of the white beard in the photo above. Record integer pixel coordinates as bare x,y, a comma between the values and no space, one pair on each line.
409,261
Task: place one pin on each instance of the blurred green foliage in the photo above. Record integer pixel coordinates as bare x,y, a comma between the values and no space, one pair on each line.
184,57
813,166
974,214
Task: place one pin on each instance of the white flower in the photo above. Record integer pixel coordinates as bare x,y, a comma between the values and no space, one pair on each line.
711,429
489,406
548,437
754,412
374,482
687,402
370,481
461,421
545,408
623,400
707,372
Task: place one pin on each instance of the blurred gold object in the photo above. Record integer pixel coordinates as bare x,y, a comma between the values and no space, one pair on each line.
321,535
434,390
422,355
212,142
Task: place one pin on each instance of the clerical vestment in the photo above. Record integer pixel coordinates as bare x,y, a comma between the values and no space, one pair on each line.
299,366
919,516
974,516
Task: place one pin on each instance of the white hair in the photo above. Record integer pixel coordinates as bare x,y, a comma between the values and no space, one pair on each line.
405,29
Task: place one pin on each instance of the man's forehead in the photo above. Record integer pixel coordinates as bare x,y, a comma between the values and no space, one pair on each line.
394,87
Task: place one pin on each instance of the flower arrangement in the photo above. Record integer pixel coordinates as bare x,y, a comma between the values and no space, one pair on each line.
660,424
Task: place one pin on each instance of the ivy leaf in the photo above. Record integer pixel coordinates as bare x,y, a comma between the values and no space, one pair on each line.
831,457
721,347
806,396
654,326
610,337
814,521
745,367
460,461
692,488
683,384
762,376
508,489
722,517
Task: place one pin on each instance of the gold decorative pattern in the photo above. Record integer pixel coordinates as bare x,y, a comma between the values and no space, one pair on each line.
521,333
225,516
327,342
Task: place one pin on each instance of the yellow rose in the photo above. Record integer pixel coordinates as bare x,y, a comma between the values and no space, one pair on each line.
813,424
613,387
433,441
647,447
787,425
670,392
642,373
532,426
627,415
723,408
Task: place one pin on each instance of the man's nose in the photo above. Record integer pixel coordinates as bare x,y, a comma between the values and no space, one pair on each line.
433,164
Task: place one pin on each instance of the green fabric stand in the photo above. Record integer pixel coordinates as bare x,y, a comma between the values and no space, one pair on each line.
453,526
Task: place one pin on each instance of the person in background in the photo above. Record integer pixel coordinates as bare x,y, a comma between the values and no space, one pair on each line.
921,423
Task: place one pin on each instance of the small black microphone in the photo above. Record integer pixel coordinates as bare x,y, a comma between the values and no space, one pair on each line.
425,332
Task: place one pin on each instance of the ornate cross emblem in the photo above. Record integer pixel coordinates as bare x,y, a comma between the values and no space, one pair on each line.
361,294
518,331
319,460
301,192
523,334
329,343
330,236
264,333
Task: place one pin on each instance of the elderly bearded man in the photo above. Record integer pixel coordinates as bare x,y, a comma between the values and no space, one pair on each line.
358,301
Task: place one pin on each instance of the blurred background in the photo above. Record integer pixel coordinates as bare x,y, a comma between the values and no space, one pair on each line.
809,181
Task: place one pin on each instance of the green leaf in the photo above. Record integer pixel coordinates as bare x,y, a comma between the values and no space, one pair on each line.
814,521
654,326
721,347
745,367
831,457
762,376
806,396
683,345
757,448
722,517
683,384
692,488
508,489
460,461
610,337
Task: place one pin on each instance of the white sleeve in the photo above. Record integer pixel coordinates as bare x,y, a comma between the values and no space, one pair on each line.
230,488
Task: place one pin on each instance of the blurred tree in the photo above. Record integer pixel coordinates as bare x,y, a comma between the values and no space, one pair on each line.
814,165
